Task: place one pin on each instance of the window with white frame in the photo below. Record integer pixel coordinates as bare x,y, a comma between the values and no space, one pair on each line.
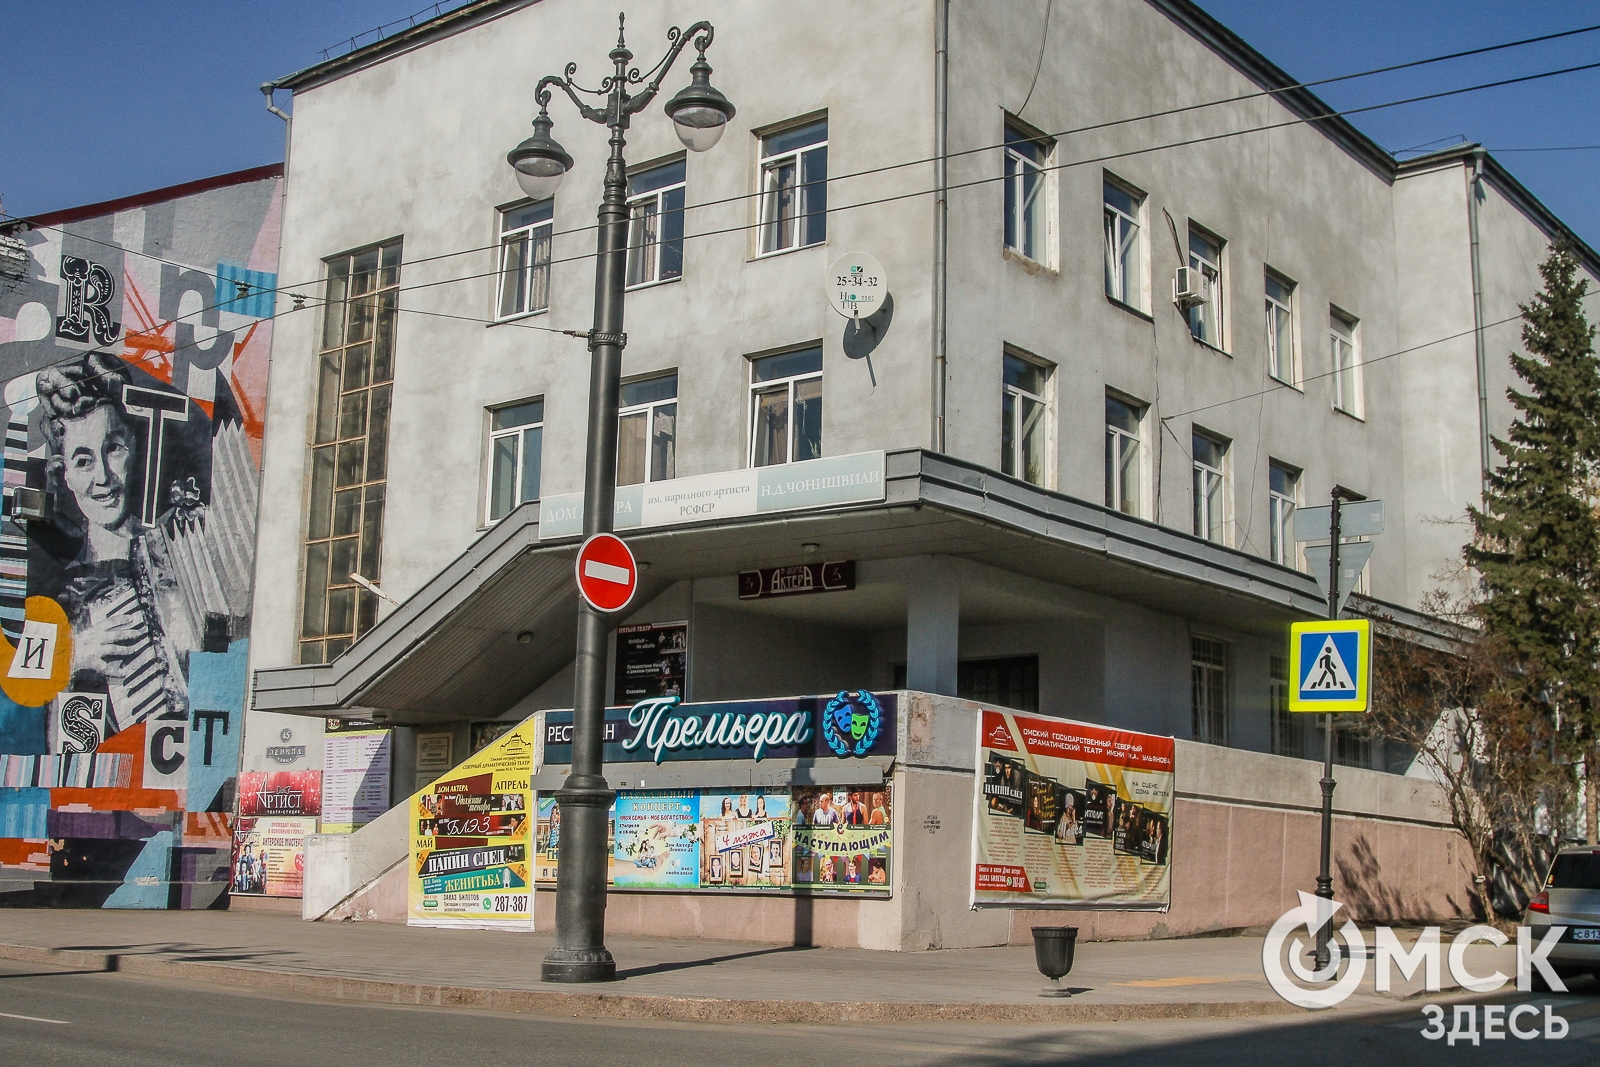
655,224
794,187
1124,273
1346,357
1024,420
1288,730
1208,670
516,445
1122,455
647,430
1205,260
1280,329
525,258
1027,199
786,407
1283,496
1210,488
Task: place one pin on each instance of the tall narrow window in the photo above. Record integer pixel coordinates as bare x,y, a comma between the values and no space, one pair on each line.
1280,329
1346,365
1024,420
1122,456
647,430
794,187
1124,277
1208,669
349,451
1027,203
1283,496
516,449
1205,259
525,258
786,407
1210,488
655,224
1288,731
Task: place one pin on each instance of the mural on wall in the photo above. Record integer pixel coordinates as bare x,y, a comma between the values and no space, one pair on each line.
133,353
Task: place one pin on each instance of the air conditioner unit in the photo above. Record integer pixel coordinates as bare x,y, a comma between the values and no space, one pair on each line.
1189,288
30,505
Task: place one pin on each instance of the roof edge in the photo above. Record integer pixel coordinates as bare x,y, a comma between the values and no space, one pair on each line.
154,196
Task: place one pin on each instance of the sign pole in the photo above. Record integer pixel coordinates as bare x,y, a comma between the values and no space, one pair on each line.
1325,875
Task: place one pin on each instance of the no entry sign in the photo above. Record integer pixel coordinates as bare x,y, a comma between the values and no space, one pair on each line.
607,575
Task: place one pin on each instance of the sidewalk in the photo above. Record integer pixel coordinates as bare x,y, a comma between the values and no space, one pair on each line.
664,979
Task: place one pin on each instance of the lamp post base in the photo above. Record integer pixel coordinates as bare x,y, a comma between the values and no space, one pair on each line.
578,965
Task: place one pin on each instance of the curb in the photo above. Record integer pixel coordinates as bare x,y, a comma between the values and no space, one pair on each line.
625,1006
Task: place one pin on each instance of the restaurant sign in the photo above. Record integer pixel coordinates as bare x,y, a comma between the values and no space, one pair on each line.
851,723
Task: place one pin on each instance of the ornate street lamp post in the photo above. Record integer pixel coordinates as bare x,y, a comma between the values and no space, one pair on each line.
699,114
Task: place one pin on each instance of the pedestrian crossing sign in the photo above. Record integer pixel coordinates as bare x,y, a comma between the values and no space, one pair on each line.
1330,664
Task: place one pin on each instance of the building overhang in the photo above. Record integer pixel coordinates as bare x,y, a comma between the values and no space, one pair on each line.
452,650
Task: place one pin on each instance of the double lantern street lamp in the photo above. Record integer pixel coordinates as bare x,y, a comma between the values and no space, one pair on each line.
699,114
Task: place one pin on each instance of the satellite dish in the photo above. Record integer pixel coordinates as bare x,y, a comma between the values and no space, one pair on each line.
857,285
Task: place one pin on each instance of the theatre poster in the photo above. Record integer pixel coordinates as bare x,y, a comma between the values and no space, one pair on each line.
1067,814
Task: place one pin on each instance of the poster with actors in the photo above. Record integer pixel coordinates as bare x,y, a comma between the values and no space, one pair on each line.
755,826
547,841
842,838
472,840
269,855
1071,815
652,661
656,842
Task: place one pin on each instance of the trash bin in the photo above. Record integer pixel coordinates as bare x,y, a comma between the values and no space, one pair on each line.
1053,948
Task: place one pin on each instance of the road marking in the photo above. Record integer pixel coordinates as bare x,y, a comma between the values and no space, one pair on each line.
593,568
34,1019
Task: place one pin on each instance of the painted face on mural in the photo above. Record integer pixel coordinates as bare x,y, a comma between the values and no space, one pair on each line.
97,455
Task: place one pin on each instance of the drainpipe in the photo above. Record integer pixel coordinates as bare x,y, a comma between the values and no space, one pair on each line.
1474,188
941,218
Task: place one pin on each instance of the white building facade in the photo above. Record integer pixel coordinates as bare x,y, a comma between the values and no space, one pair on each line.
1064,490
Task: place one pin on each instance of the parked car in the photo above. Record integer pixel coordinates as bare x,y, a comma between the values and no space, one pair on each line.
1570,898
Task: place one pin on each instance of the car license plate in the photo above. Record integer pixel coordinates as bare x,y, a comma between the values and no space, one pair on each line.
1586,934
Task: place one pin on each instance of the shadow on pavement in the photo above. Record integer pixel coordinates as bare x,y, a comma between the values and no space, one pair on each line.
682,965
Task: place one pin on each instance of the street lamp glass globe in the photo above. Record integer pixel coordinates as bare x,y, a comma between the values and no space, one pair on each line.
699,112
540,162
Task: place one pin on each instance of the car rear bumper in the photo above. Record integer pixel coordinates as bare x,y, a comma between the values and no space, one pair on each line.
1568,952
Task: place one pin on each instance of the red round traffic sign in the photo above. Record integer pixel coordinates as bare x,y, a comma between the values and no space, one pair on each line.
607,575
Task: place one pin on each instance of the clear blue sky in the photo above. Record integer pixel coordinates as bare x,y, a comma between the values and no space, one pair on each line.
102,98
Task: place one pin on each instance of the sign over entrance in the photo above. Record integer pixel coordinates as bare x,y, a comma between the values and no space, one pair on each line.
607,574
1331,664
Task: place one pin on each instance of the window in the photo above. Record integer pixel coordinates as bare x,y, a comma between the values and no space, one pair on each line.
1205,259
516,448
1012,682
1288,730
786,407
1024,426
1027,205
525,258
349,451
1122,455
1346,365
1208,662
794,190
1210,488
647,430
1352,747
1280,329
1124,277
655,224
1283,496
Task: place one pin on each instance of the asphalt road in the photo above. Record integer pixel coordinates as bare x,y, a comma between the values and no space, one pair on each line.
51,1016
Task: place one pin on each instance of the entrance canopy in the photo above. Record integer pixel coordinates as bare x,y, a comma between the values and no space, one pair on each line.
500,619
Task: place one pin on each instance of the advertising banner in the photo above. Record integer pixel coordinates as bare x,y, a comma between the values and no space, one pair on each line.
355,779
1067,814
548,859
746,840
472,839
850,724
842,838
280,793
269,855
656,840
652,661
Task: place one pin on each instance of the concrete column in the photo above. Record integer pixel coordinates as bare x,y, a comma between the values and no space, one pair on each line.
933,628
